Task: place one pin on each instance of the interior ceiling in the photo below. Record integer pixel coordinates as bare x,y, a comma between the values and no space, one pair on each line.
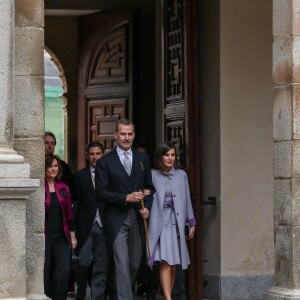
79,7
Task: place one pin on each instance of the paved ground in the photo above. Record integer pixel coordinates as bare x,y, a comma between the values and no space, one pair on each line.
72,296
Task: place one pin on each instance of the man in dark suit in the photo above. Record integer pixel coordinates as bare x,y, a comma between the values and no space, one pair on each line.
121,177
67,175
89,228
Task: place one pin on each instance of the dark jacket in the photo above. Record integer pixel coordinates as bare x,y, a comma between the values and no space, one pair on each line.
65,200
86,205
113,185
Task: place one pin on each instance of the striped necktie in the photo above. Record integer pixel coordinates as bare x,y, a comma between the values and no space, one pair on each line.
127,163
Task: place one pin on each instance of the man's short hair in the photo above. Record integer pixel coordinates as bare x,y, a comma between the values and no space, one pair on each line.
95,144
125,122
49,133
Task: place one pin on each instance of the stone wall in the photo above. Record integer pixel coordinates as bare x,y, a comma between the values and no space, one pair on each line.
236,91
286,135
29,129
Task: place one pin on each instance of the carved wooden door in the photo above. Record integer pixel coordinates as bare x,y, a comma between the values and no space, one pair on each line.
105,77
179,107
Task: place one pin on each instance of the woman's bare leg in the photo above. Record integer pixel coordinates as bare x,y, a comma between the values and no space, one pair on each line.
166,279
173,274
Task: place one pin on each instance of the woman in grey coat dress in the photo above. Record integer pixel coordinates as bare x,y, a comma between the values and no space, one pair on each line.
171,210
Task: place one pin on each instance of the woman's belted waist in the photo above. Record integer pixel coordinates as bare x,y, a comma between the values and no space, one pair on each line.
168,202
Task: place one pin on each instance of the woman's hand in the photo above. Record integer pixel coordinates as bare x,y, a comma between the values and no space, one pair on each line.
144,213
192,232
73,239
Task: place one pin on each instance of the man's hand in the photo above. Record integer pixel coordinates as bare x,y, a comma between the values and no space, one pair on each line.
146,192
134,197
144,213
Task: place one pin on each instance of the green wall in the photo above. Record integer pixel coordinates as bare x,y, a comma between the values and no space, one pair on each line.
54,116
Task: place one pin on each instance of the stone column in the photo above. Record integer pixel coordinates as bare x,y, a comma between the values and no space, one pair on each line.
29,129
286,132
15,183
7,29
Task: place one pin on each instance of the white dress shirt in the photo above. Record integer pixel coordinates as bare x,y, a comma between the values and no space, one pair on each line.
97,217
122,155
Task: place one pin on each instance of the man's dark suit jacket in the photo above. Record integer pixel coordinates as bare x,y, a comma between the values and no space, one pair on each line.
113,185
86,205
67,177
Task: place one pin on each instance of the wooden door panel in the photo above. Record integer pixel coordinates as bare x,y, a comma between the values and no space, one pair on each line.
174,51
175,132
102,116
109,64
106,85
174,111
179,107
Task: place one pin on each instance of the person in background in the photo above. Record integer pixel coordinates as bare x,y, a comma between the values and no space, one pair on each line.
66,177
59,231
121,177
171,210
89,224
141,148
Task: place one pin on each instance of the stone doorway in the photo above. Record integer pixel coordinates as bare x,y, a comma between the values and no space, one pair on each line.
56,115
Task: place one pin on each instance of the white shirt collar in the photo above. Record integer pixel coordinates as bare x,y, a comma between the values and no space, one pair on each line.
120,151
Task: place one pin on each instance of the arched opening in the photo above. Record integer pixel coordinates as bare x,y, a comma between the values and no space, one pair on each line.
55,87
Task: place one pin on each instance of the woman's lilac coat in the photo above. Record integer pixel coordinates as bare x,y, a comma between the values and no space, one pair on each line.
182,205
65,200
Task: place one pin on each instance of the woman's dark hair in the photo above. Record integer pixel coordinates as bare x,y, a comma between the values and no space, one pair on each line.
49,158
160,152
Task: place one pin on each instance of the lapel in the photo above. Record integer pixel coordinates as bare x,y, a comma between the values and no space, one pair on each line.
136,169
87,178
120,170
161,191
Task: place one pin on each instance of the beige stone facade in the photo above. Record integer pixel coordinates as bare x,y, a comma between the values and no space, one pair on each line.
251,185
21,153
286,78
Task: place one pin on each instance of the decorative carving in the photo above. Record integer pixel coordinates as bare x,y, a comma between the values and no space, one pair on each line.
174,102
102,115
109,61
173,51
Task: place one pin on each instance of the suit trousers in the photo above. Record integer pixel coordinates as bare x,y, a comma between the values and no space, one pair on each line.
93,251
57,266
127,254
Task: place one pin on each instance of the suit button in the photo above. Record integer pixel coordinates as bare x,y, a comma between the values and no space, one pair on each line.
177,214
174,196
